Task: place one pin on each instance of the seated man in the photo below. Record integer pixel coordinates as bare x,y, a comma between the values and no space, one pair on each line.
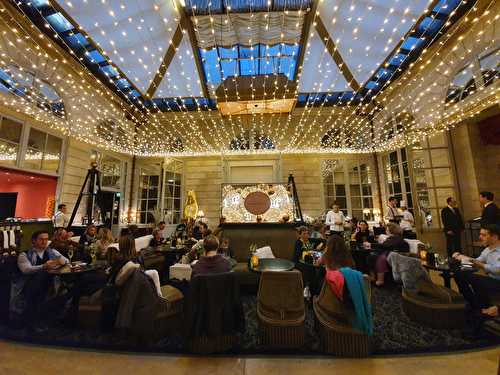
476,288
211,262
32,285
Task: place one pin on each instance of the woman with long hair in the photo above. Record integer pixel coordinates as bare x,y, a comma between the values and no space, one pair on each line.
104,239
126,244
336,255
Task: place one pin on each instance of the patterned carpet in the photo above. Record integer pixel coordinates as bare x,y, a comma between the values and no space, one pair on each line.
394,333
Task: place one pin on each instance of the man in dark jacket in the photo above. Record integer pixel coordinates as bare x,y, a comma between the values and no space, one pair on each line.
211,262
491,212
453,226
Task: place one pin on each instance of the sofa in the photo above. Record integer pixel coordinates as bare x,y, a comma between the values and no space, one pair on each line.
280,237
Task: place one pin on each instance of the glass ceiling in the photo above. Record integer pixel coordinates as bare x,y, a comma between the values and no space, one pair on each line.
135,35
220,63
203,7
181,78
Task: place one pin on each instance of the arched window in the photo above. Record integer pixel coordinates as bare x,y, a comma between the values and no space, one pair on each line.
24,84
465,81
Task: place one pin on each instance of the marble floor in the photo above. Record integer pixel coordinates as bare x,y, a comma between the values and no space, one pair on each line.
21,359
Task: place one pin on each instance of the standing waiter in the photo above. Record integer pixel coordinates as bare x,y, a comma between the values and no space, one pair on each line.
60,218
453,225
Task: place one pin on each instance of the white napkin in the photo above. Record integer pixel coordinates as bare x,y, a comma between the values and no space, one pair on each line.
5,239
12,238
264,253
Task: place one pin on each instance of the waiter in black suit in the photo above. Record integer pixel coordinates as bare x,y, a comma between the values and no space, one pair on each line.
453,225
491,212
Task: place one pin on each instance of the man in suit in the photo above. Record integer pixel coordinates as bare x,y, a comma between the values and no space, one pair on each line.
453,225
491,212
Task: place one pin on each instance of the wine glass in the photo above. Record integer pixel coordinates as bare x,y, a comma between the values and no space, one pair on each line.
93,254
70,254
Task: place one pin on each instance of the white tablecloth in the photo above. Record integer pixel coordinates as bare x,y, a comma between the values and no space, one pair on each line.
180,271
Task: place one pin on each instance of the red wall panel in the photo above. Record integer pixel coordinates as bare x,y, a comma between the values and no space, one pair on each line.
34,191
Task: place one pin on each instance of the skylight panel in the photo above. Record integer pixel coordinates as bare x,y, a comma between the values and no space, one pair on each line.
109,70
211,66
122,83
429,25
411,43
95,57
40,3
445,7
229,67
59,22
398,59
77,41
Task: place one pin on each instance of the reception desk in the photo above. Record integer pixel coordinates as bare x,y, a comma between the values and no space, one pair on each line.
280,237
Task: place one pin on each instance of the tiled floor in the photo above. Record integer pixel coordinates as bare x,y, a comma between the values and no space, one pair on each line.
19,359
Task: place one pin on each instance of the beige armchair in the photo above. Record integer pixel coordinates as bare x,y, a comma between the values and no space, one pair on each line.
333,322
281,310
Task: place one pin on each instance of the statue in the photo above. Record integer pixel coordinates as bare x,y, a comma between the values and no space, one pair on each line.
191,206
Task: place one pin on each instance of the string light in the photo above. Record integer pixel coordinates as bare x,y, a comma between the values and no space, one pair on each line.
365,124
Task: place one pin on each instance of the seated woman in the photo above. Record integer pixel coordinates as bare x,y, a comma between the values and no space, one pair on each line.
104,239
304,244
347,284
157,239
336,255
62,242
378,259
128,263
211,262
362,234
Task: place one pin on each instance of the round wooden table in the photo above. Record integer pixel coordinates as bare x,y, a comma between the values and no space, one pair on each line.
273,264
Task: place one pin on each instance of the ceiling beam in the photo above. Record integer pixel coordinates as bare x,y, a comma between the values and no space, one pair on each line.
167,59
304,37
187,25
335,54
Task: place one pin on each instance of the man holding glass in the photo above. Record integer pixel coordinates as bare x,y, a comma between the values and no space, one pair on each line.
31,287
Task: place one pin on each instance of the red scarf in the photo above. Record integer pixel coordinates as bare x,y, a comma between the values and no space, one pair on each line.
336,281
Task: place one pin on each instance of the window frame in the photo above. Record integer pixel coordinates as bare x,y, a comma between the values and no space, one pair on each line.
27,125
162,199
427,148
347,171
